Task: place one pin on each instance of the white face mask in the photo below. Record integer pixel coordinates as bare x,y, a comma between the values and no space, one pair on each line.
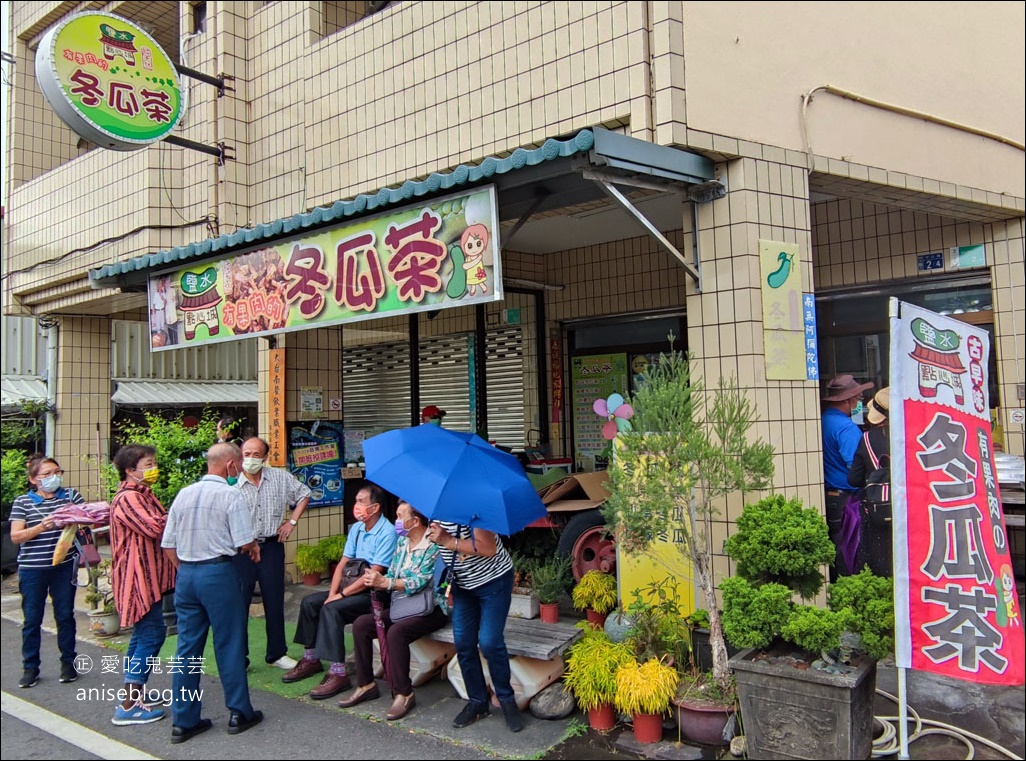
252,465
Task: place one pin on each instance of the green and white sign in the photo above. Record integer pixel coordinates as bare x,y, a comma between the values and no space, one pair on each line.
109,81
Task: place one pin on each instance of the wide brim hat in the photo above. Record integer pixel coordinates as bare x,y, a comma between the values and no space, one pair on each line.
879,407
844,387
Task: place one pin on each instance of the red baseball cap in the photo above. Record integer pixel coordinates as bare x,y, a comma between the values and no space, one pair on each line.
431,411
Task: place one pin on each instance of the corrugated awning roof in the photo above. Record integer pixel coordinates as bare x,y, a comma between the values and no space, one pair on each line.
556,167
164,393
21,388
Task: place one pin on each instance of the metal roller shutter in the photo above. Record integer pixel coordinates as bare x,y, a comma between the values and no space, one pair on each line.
376,393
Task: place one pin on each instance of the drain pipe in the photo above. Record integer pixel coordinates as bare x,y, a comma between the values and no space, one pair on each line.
50,325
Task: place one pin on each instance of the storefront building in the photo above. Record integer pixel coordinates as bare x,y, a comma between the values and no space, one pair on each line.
641,156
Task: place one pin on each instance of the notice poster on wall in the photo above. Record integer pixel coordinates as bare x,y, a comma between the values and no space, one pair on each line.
593,377
315,458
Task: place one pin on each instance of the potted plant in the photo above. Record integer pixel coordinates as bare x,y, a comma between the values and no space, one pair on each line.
311,563
550,579
595,593
644,691
332,548
779,548
524,602
591,666
689,449
703,708
657,628
103,616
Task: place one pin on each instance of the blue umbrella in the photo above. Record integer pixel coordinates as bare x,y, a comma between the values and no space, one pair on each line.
455,477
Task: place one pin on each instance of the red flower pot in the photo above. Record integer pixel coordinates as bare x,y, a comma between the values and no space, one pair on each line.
648,727
602,718
549,612
311,579
598,620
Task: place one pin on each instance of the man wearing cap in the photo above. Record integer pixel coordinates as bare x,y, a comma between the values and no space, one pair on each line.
841,438
431,414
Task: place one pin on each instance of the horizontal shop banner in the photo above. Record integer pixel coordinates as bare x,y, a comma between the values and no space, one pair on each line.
435,255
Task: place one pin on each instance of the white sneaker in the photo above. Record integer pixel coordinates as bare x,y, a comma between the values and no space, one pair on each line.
285,663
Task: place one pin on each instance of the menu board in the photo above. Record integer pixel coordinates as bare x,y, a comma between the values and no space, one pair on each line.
594,377
315,458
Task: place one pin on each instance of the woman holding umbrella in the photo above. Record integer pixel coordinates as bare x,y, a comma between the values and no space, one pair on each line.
33,527
411,570
482,590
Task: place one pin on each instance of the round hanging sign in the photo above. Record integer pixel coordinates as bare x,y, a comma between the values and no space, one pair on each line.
109,81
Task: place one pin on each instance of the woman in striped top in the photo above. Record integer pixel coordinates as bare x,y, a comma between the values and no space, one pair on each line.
33,527
141,574
482,590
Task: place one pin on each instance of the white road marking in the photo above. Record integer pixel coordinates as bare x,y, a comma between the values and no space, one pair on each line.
64,729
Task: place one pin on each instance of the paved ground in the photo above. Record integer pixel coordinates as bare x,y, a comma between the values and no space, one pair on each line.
301,728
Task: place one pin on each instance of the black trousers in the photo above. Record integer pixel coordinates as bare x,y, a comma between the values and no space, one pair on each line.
322,626
270,572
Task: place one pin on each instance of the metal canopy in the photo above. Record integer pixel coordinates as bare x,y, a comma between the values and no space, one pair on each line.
556,175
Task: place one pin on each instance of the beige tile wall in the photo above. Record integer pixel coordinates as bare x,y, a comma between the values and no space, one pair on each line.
857,243
84,389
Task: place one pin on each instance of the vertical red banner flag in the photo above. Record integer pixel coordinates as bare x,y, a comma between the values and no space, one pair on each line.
955,606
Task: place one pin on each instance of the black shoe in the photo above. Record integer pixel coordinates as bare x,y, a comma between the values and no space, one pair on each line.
68,673
181,734
29,679
471,712
237,725
514,719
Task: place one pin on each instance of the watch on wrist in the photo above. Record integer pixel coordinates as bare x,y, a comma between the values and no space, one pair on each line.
293,521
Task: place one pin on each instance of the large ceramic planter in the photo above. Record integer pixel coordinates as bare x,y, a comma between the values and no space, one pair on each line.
648,728
810,714
702,722
602,718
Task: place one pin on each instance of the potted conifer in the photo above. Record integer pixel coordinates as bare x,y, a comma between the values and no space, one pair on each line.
549,580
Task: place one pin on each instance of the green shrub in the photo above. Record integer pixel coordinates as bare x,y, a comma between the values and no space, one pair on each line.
815,629
332,547
754,615
869,601
13,479
778,540
310,559
550,579
181,451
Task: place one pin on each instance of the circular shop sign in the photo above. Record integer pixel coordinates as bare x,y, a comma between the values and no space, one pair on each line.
109,81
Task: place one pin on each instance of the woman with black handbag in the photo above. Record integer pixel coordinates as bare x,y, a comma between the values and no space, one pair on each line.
415,610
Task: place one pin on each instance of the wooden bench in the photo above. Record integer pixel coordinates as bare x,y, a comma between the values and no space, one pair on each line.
527,637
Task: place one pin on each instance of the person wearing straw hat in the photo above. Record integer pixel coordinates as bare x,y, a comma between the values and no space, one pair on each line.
870,467
842,402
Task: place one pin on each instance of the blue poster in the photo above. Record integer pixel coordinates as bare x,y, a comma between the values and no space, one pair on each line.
315,458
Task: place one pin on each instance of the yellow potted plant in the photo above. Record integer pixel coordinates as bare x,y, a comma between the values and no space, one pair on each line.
595,593
591,666
645,690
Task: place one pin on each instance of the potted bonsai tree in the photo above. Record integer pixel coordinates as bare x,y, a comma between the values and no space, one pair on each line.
104,620
780,548
311,563
591,666
550,579
689,449
595,594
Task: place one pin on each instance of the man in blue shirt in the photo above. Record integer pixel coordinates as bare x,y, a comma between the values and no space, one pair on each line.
323,615
840,440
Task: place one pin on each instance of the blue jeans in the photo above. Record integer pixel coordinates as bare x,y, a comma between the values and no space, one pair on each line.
148,635
478,619
35,585
209,596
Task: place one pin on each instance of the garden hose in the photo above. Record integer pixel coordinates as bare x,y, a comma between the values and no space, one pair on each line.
888,744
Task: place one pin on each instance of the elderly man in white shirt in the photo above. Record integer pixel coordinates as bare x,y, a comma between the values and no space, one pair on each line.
269,492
